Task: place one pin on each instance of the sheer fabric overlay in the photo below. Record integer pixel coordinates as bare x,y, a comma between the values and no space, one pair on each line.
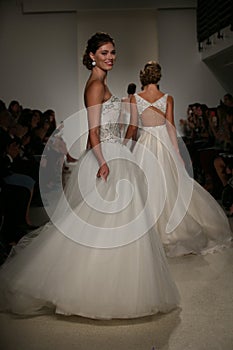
88,261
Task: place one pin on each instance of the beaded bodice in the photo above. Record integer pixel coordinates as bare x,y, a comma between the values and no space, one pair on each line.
109,129
160,104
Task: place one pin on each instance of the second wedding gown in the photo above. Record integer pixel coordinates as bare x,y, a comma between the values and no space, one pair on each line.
191,220
99,256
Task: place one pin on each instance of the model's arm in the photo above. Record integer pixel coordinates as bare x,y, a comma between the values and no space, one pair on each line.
133,126
170,124
93,99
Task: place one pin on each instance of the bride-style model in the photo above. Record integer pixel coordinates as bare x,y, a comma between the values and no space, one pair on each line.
191,220
100,257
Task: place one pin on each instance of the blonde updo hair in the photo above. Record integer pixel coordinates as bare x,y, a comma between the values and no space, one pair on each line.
93,44
151,73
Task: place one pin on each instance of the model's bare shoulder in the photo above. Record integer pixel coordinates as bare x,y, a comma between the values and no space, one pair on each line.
170,99
94,92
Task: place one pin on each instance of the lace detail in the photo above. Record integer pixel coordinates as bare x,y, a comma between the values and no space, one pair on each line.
110,132
110,129
160,104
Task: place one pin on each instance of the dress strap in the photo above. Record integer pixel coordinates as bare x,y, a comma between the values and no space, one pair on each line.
143,104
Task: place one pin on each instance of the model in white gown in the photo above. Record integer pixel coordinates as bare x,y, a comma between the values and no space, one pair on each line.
191,220
87,261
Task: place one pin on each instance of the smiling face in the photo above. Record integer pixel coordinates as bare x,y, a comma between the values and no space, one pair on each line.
105,56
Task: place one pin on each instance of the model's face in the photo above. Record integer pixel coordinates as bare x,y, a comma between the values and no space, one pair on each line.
105,56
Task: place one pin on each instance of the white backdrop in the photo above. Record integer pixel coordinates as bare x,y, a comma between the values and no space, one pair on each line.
135,35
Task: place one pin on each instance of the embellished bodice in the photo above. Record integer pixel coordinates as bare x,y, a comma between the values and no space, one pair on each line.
110,129
143,104
151,114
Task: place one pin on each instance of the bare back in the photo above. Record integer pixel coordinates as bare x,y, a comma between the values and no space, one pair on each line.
152,113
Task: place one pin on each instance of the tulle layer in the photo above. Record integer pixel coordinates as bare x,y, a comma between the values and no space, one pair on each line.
191,221
88,261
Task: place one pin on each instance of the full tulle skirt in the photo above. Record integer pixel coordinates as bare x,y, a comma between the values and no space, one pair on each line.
95,258
191,220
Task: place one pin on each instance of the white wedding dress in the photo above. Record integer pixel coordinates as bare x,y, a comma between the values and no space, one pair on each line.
191,220
99,257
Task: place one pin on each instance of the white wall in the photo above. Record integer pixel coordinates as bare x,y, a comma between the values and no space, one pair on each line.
38,59
133,51
185,76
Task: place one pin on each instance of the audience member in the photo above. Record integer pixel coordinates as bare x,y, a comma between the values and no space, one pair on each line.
2,106
49,115
24,135
221,162
227,100
15,109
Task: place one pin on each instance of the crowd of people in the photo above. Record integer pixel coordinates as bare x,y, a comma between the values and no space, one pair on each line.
26,137
208,135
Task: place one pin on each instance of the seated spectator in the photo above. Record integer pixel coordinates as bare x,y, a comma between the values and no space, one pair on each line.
222,161
39,137
223,129
15,109
197,137
227,196
15,197
6,123
49,114
8,176
30,118
196,127
185,127
2,106
14,201
36,117
227,100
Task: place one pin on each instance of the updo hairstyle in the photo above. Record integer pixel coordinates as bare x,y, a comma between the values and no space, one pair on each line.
151,73
93,44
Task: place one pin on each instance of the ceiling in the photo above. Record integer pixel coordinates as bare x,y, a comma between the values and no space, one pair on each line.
69,5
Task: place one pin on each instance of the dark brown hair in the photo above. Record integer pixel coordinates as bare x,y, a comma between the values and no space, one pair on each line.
131,88
151,73
93,44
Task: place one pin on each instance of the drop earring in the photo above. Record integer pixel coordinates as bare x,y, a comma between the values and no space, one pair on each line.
93,63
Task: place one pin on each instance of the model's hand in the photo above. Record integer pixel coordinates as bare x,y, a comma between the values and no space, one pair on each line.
103,172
